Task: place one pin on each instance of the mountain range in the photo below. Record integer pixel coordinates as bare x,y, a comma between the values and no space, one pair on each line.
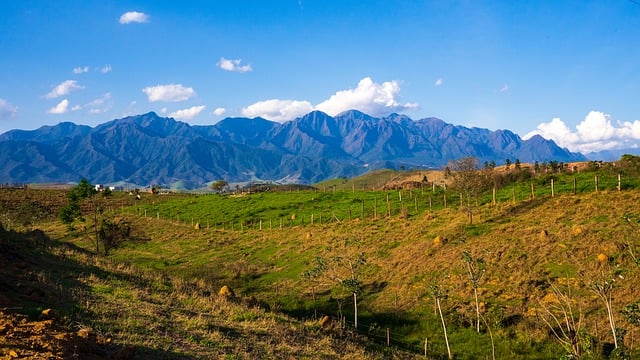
149,149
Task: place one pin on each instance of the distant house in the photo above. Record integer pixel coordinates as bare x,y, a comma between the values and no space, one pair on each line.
100,187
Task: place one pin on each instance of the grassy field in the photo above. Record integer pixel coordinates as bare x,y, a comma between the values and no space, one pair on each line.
536,250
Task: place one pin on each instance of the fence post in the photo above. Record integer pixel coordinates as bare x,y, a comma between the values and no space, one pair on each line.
375,208
619,184
575,187
388,338
596,182
426,341
533,194
552,190
388,206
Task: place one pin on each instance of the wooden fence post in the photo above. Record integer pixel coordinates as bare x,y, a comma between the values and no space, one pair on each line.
533,194
619,184
493,197
596,182
375,208
552,190
388,206
388,338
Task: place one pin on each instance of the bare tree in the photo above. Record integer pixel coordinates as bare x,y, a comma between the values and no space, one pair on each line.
438,294
342,266
565,321
469,180
475,268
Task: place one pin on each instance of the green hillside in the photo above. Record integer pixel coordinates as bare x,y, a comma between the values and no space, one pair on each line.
551,270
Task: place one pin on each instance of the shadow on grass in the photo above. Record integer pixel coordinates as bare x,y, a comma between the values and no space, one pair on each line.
37,273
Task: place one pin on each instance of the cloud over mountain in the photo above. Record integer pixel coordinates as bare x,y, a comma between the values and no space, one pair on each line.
369,97
61,108
596,132
187,114
169,92
278,110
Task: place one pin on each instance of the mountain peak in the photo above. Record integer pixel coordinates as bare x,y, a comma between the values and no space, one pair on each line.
355,115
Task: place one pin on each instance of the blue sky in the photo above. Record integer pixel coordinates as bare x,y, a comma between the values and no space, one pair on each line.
568,70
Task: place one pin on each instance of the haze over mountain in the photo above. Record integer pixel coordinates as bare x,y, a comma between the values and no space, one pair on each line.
149,149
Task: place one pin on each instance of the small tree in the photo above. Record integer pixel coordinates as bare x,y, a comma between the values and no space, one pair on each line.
475,269
603,288
86,192
218,185
565,321
468,180
439,294
342,267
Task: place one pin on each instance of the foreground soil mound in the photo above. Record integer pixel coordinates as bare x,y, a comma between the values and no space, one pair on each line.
21,338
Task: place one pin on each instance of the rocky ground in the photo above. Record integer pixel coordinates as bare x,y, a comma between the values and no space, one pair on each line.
42,334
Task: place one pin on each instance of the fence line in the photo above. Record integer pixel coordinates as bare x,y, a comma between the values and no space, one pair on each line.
407,203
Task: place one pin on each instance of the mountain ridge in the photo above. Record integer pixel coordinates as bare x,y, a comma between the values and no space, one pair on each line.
149,149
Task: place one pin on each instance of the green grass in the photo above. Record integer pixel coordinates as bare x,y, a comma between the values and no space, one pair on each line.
231,249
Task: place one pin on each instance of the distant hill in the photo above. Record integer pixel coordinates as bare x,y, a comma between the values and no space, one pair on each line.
149,149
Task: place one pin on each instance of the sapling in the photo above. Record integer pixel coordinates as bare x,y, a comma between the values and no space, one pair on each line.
475,269
438,294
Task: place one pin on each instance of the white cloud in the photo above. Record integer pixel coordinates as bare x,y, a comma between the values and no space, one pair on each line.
438,82
504,88
187,114
61,108
233,65
134,17
80,69
99,105
63,88
219,111
170,92
596,132
7,110
278,110
369,97
106,69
